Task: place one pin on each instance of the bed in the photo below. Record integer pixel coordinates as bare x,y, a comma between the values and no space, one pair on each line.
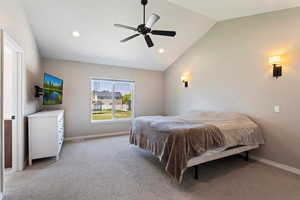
188,140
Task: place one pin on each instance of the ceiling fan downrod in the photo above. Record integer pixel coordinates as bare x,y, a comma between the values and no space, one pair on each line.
144,3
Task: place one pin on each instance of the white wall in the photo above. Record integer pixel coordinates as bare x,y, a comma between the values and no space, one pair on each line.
14,21
149,94
230,72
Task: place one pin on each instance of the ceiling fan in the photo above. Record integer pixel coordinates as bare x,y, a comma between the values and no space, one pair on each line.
146,28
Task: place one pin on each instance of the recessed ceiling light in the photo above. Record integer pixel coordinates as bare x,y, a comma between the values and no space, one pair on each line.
161,50
76,34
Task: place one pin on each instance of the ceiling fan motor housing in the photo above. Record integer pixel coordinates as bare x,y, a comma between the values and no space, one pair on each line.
143,29
144,2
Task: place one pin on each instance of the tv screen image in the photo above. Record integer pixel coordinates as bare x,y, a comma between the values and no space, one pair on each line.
53,90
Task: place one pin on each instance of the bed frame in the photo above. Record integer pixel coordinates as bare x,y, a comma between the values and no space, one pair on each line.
195,162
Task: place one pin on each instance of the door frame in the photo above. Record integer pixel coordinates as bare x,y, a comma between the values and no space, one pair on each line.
19,139
1,117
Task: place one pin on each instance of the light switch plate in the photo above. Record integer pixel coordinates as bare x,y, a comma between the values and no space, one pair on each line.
277,109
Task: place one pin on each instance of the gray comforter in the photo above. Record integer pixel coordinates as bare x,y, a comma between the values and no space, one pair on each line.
176,140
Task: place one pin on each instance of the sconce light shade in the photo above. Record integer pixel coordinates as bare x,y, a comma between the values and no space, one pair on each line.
275,61
185,79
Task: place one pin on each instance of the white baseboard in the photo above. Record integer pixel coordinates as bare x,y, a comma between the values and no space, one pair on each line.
277,165
97,136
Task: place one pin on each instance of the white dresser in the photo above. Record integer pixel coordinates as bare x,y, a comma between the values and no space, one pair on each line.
46,134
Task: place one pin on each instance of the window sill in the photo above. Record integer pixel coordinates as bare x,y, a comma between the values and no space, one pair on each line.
111,121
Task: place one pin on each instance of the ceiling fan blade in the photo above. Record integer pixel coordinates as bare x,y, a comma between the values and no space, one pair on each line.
129,38
149,41
164,33
126,27
152,20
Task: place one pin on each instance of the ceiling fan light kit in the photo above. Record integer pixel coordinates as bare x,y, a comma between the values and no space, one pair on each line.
146,28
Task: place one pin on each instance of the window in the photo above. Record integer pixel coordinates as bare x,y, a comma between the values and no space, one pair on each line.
111,100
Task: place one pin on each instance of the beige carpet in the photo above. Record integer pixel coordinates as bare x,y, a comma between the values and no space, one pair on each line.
110,169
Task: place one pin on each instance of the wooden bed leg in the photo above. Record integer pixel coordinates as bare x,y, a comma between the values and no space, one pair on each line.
196,172
247,156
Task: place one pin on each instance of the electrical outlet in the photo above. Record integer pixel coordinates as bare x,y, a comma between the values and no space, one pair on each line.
277,109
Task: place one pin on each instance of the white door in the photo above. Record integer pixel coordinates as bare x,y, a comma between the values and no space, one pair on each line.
10,62
11,100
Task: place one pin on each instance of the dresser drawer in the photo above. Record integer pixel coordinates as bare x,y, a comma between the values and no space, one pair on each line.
60,135
60,126
46,134
60,118
60,122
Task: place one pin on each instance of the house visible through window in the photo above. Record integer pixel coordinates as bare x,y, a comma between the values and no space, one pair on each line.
111,100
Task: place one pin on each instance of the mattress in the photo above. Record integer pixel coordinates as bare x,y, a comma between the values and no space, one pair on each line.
177,139
238,129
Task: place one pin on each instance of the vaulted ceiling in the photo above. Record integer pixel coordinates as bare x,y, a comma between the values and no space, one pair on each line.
53,22
228,9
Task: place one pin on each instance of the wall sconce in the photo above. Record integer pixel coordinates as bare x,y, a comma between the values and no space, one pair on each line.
185,79
275,61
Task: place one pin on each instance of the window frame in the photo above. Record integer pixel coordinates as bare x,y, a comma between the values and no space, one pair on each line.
113,109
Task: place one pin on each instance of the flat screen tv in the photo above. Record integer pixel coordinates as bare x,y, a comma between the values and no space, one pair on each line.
53,90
